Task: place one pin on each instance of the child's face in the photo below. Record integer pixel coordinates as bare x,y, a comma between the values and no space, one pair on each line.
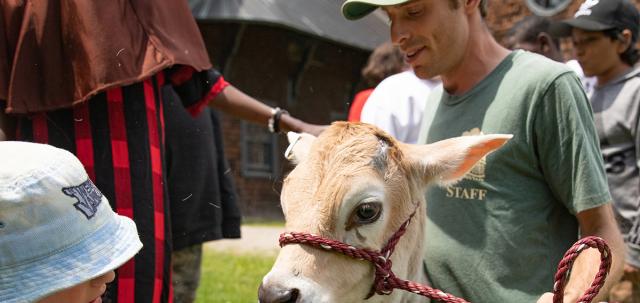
86,292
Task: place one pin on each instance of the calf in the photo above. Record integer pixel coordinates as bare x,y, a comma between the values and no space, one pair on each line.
356,184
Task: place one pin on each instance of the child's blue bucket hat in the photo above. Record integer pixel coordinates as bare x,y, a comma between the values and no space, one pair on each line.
57,230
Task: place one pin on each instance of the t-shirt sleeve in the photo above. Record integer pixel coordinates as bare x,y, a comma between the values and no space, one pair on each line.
196,89
566,143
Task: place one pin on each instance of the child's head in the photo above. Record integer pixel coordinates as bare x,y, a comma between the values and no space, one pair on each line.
88,291
59,239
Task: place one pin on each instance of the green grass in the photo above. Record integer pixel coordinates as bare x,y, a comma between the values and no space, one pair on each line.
262,222
231,278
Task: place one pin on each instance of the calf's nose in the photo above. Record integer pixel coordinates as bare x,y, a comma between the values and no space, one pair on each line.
277,294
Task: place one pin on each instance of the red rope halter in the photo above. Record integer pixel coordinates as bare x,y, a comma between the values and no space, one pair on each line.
385,280
562,274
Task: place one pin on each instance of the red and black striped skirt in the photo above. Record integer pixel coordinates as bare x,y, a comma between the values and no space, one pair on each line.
118,136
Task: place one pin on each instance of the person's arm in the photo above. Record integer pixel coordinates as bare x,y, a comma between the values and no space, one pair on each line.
234,102
571,161
208,87
600,222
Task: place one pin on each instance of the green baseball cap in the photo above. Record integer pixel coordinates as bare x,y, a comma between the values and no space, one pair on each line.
356,9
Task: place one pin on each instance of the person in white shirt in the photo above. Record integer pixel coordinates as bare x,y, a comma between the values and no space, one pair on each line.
397,104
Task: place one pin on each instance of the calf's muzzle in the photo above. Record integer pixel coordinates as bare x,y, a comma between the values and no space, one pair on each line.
277,294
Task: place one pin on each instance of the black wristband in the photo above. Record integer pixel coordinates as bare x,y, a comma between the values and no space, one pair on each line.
274,121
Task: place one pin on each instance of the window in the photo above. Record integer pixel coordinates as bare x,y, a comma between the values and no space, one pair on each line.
259,151
547,8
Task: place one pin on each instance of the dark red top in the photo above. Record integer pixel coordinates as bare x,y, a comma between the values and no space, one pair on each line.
358,103
55,54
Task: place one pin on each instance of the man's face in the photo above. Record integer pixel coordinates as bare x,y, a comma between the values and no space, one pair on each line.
596,53
432,35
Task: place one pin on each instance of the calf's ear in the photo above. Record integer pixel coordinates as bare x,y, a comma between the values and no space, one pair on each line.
447,161
299,146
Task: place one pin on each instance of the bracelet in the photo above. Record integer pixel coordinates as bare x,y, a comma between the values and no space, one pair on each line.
274,120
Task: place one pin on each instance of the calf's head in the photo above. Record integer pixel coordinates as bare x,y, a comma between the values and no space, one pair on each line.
356,184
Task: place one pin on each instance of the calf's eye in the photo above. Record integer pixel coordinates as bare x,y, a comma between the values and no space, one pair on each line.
368,213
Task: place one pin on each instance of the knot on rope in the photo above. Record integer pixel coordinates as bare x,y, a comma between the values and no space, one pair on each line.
383,277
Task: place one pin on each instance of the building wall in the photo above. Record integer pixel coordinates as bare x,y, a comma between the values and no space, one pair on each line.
263,64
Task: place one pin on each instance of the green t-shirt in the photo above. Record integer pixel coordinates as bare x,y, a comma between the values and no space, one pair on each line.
498,235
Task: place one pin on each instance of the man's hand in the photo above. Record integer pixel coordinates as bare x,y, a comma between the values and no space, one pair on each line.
598,221
546,298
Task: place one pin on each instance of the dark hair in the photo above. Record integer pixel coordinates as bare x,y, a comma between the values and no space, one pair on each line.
386,60
630,56
454,4
528,29
483,8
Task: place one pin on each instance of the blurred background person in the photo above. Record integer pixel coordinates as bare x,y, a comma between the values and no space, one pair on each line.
604,36
398,103
396,98
532,33
384,61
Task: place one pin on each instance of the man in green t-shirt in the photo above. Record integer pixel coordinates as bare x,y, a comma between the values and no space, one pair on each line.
498,235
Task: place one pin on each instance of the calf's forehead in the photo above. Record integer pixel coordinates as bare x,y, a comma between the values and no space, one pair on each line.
316,189
333,164
313,190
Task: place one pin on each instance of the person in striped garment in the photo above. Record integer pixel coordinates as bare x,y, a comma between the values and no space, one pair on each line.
86,76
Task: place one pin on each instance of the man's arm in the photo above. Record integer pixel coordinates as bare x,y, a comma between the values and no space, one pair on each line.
236,103
598,221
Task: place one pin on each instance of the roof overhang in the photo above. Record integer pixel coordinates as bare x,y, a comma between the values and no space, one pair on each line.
320,18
